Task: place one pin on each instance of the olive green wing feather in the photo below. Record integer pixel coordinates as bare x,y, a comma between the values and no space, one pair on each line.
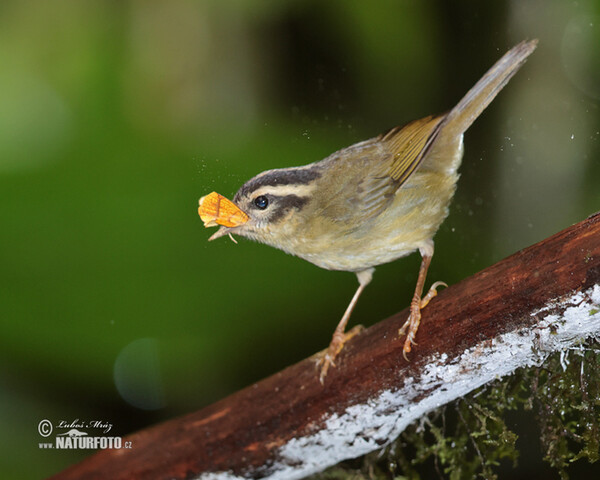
409,145
401,151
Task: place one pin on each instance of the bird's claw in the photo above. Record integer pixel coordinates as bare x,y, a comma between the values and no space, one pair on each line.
327,358
324,362
414,318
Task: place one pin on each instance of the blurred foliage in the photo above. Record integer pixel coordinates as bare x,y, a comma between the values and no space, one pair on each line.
115,117
470,438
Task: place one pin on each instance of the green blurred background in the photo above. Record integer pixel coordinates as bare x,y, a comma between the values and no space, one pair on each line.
115,117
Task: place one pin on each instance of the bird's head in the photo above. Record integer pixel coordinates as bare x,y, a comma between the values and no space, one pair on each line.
269,208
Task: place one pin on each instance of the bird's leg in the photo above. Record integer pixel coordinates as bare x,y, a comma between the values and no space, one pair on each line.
339,335
418,303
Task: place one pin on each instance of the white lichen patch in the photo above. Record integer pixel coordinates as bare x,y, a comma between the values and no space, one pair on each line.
362,428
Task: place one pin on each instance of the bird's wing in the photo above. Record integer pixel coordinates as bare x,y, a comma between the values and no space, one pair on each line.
402,149
409,144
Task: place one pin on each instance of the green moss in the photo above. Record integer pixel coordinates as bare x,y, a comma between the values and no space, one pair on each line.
469,438
568,406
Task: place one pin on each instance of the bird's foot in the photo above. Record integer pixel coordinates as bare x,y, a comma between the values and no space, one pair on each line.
414,318
327,357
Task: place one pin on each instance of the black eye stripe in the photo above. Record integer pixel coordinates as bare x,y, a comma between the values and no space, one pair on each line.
282,205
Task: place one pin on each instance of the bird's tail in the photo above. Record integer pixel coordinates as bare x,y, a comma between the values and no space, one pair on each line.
479,97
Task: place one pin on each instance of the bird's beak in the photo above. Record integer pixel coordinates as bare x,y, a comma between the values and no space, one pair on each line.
214,209
221,232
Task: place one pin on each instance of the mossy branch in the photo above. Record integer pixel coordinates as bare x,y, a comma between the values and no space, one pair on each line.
516,313
469,437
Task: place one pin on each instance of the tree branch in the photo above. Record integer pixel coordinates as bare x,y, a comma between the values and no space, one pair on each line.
542,299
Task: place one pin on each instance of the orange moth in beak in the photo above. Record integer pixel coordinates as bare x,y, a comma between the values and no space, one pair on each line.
214,209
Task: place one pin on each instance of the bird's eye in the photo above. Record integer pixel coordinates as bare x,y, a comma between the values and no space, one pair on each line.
261,202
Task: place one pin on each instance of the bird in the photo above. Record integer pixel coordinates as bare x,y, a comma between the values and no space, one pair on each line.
367,204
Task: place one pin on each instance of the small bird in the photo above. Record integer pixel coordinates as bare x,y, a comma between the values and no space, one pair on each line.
367,204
